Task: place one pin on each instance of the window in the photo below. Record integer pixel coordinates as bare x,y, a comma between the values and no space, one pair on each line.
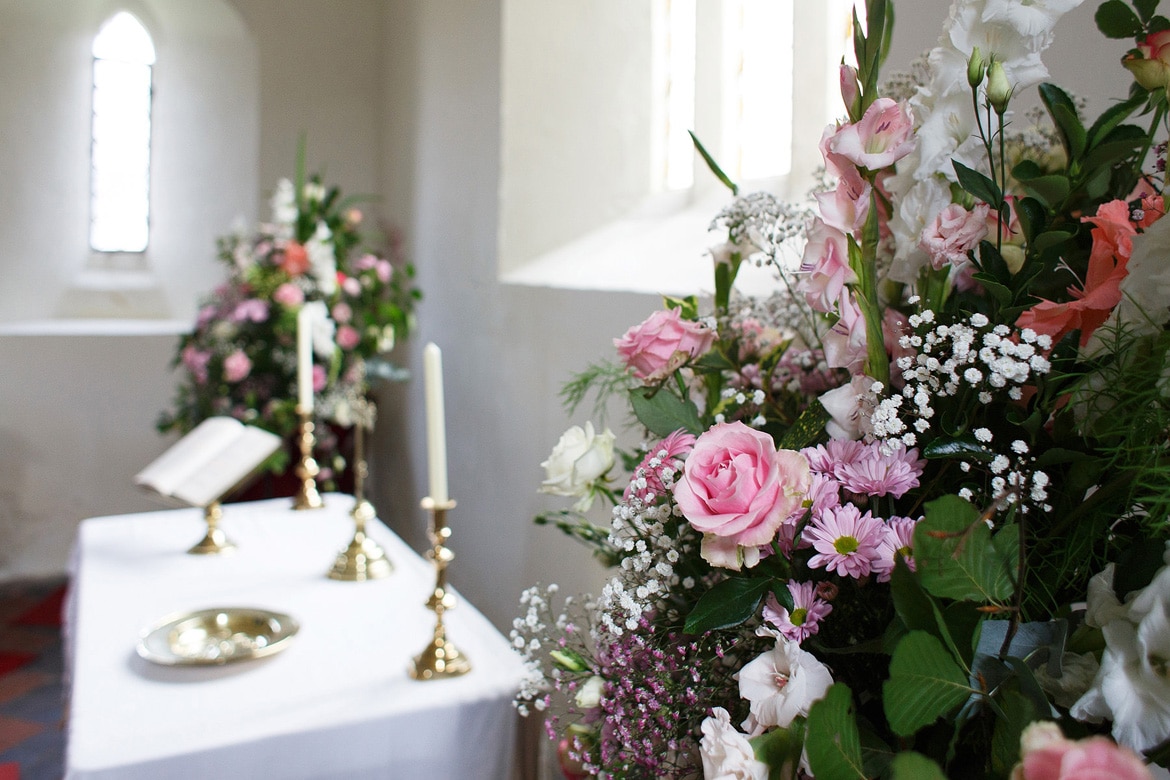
600,186
120,153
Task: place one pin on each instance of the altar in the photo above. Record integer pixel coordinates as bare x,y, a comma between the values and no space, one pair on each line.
338,702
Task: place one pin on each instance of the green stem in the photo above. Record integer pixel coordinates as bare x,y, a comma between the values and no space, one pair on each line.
1159,115
1001,207
877,363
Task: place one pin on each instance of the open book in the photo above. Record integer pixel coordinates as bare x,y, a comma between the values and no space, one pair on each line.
218,455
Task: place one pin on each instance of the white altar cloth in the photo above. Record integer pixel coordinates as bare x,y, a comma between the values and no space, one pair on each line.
337,703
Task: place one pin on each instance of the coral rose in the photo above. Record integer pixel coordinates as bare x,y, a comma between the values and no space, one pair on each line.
738,488
662,343
296,259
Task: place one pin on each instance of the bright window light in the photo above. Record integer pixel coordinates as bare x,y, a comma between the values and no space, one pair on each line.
758,88
674,153
120,178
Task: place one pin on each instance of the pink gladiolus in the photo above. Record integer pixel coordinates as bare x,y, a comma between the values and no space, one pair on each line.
236,367
954,233
884,135
288,295
663,343
738,487
826,266
1048,755
846,207
348,337
845,343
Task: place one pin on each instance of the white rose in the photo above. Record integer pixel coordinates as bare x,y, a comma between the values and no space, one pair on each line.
589,694
726,753
580,458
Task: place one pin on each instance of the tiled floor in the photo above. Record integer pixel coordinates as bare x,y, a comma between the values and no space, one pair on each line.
32,735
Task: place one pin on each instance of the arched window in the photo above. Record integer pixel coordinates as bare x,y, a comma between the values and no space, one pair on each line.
123,56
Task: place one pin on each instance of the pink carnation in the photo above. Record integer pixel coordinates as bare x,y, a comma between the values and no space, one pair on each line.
663,343
846,541
288,295
236,366
954,233
348,337
647,484
738,488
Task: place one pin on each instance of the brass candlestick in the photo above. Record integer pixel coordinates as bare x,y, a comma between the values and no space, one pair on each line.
440,658
363,559
307,496
215,542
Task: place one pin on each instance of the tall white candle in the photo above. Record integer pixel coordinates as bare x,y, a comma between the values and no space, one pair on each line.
304,360
436,423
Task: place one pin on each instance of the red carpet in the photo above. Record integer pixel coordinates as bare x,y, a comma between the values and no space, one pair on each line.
12,661
46,612
9,772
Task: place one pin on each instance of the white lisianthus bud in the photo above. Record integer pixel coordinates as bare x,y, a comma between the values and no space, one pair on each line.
999,90
579,459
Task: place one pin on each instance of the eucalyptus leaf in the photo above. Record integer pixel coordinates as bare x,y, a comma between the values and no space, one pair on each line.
925,684
663,413
728,603
833,743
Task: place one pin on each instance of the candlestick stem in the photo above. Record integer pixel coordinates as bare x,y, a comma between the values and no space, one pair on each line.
440,658
363,559
306,496
215,541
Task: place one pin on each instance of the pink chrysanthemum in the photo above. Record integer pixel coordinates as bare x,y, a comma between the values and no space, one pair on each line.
829,458
879,473
808,610
898,541
647,483
846,541
825,493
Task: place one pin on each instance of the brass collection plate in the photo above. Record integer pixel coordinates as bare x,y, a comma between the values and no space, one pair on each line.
212,637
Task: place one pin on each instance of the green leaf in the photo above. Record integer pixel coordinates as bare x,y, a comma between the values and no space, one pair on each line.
925,684
1049,239
714,166
1112,117
833,743
1145,8
663,413
1051,189
1001,294
1005,740
955,556
1032,215
729,603
1064,114
780,749
960,447
911,602
915,766
978,184
809,427
1123,140
1115,19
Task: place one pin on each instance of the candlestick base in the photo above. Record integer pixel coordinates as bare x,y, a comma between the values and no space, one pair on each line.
440,658
215,541
364,559
307,469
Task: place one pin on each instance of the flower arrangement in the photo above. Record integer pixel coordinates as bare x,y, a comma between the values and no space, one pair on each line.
907,517
240,359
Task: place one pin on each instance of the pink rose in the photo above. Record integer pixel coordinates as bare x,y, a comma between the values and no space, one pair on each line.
662,343
736,486
826,265
348,337
884,135
236,366
954,233
288,295
1048,755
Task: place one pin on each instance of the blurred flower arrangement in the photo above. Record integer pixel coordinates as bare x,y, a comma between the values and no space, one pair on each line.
907,517
240,359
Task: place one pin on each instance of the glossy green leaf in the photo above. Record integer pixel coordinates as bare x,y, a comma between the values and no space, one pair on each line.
663,413
925,684
1145,8
1112,117
1064,114
833,744
807,429
1049,239
728,603
962,447
1051,189
978,184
